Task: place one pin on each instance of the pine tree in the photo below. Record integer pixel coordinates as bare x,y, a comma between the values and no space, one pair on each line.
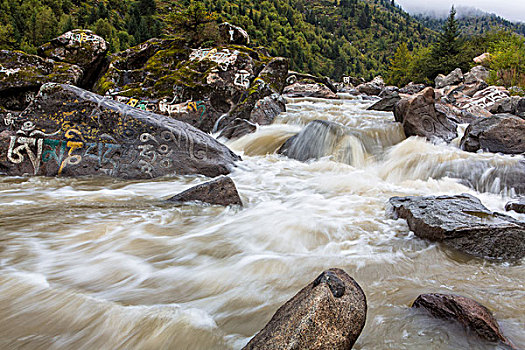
399,73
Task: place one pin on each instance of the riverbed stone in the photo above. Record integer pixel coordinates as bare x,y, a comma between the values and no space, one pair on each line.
309,89
465,311
386,104
221,191
69,131
420,115
372,88
504,133
329,313
463,223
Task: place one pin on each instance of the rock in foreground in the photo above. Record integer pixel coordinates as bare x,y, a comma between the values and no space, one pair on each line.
463,223
465,311
69,131
221,191
329,313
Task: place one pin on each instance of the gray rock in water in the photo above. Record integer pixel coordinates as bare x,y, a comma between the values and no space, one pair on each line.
518,206
421,116
372,88
503,133
221,191
386,104
455,77
306,89
329,313
69,131
463,223
467,312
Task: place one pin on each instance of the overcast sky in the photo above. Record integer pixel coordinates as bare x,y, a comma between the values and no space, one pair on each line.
513,10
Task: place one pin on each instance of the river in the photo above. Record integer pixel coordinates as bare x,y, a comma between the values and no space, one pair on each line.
95,263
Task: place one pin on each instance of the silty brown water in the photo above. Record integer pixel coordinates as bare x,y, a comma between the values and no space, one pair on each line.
107,264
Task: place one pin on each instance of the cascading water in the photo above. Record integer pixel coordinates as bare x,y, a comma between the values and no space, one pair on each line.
106,264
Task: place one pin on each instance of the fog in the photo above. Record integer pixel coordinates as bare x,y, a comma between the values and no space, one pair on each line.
513,10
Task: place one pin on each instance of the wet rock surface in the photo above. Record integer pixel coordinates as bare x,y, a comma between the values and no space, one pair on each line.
467,312
69,131
504,133
79,47
221,191
463,223
329,313
517,205
422,116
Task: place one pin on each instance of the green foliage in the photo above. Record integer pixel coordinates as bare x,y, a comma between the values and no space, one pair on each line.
194,22
507,60
399,73
27,24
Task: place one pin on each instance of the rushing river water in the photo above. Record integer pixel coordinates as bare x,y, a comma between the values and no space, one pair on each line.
105,264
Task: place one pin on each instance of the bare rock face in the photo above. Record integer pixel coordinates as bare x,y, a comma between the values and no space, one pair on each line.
69,131
467,312
454,78
421,116
518,205
221,191
329,313
233,34
477,74
503,133
22,75
463,223
79,47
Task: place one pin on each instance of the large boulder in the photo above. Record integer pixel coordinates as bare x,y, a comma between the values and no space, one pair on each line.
412,88
233,34
221,191
79,47
22,75
197,86
69,131
453,78
309,89
465,311
463,223
372,88
329,313
504,133
422,116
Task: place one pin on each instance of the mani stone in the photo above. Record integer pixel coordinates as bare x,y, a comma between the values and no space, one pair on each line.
221,191
69,131
463,223
469,313
329,313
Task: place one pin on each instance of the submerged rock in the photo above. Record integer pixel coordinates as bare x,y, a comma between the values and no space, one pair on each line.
69,131
503,133
221,191
79,47
329,313
22,75
467,312
463,223
518,206
421,116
